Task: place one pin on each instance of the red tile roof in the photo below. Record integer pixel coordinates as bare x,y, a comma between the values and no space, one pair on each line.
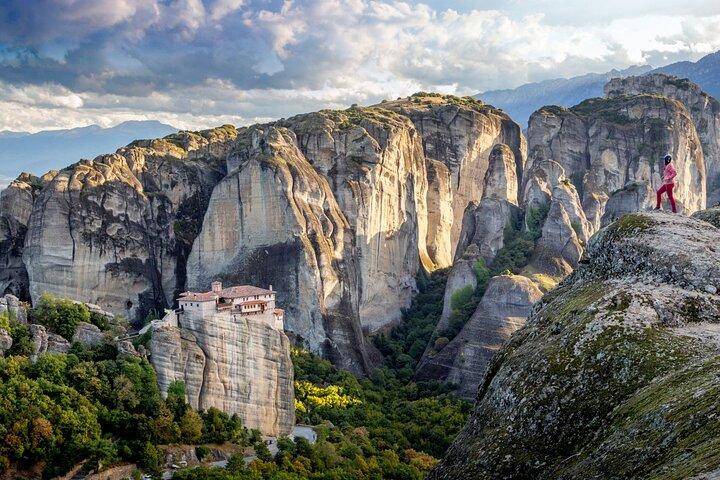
279,311
197,297
243,291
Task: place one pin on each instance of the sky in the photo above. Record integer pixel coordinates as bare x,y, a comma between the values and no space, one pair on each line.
202,63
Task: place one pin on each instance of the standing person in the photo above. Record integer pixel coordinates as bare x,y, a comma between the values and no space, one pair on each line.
669,174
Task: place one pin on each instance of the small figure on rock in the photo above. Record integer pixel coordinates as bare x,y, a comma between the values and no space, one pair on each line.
669,174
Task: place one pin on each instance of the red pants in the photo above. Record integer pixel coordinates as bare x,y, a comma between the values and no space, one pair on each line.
668,187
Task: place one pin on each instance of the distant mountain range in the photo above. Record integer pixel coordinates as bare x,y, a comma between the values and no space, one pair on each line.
54,149
522,101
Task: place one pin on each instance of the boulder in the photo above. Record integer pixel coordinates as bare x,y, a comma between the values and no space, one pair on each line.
6,341
88,334
615,373
44,342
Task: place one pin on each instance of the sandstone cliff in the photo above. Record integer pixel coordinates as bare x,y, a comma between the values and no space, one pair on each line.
337,209
611,150
116,231
614,375
236,365
487,228
459,134
703,109
16,203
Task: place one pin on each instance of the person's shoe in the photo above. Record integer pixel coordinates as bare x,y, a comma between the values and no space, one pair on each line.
656,208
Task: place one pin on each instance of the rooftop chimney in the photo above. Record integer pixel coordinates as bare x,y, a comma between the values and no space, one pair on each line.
270,287
216,286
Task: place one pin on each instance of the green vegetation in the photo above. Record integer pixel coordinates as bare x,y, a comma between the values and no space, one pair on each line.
680,83
428,98
60,315
609,109
711,215
95,405
519,241
92,404
629,224
406,343
20,334
553,110
380,428
464,302
356,115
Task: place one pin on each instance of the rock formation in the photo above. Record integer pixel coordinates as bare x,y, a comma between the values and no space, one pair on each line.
88,334
337,209
332,209
44,342
116,231
16,204
502,310
238,366
504,306
460,133
615,373
6,341
11,305
611,150
702,108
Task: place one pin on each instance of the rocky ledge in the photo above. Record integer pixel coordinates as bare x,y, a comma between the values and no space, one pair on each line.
615,374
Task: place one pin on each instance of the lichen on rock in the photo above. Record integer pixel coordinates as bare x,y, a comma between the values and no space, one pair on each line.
612,375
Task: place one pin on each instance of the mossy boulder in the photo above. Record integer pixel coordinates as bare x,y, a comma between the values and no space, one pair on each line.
711,215
615,373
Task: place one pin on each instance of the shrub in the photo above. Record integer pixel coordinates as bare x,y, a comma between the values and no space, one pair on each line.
61,315
461,297
441,343
100,321
202,453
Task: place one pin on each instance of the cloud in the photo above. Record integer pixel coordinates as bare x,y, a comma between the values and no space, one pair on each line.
193,63
5,181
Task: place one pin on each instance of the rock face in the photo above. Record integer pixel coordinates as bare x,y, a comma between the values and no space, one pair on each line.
10,304
338,210
332,209
703,109
502,310
503,306
461,134
6,341
611,150
16,203
615,373
116,231
88,334
45,342
238,366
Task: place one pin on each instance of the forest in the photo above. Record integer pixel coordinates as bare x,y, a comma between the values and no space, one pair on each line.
104,408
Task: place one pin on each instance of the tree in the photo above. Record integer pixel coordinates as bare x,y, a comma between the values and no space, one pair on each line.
61,315
102,451
51,367
191,427
235,463
125,394
176,398
166,430
263,452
